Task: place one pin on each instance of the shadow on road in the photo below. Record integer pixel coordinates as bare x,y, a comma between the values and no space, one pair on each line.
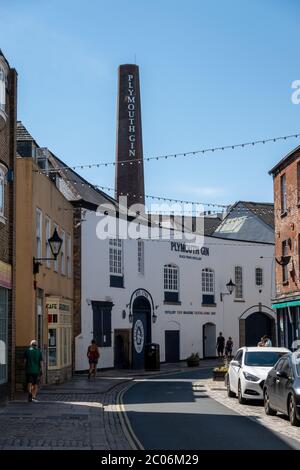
178,431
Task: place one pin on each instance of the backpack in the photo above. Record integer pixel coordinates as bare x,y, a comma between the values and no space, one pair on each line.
93,353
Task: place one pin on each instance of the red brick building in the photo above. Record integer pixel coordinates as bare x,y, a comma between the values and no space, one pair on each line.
8,112
286,175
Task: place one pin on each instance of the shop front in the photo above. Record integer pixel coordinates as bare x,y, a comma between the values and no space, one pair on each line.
288,322
59,354
5,287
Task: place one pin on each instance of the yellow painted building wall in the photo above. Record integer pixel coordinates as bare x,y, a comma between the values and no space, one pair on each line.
36,190
25,298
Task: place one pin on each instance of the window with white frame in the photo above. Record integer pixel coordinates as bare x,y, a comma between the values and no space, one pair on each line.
141,257
171,283
208,281
62,253
259,277
116,262
39,232
2,184
56,260
69,256
115,257
208,286
48,253
238,280
3,80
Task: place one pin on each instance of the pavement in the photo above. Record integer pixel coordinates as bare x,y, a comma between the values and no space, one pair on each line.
80,414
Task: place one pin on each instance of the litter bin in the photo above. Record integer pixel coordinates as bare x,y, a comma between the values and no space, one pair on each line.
152,358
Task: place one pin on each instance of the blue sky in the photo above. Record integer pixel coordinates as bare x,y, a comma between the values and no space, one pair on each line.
212,73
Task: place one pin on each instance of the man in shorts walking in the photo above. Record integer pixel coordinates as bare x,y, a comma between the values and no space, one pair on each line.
220,345
33,368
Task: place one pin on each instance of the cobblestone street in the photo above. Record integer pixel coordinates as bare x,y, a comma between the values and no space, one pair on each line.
64,419
80,414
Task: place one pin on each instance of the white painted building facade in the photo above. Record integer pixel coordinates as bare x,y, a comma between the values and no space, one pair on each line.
170,297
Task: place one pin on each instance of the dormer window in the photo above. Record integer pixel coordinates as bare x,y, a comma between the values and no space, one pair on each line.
3,80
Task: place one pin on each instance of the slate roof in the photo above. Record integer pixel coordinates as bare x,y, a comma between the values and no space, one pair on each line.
263,210
73,186
210,223
23,134
80,187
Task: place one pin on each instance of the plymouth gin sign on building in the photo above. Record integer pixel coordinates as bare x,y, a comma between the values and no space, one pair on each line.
189,251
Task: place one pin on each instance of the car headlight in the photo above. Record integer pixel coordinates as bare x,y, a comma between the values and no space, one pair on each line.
250,377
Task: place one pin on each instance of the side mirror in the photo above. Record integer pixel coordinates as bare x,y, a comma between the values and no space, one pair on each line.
282,374
235,364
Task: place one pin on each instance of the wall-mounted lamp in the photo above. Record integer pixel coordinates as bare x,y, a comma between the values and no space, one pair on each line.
55,243
154,317
230,287
130,317
88,301
123,314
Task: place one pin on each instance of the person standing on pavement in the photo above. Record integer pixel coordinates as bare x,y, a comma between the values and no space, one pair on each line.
267,341
93,357
261,343
33,360
220,345
229,347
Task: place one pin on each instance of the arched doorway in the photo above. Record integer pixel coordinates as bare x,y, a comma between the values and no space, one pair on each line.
141,330
209,340
257,325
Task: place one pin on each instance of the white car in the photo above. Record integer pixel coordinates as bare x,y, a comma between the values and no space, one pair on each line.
248,371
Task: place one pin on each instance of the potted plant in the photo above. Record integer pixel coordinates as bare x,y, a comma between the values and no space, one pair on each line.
193,360
220,372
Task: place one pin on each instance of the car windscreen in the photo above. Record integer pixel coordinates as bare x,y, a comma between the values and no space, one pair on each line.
262,358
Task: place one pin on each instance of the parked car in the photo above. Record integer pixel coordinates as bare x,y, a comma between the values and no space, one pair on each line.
282,388
248,371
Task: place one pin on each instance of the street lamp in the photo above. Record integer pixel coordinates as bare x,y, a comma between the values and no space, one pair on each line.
230,287
55,243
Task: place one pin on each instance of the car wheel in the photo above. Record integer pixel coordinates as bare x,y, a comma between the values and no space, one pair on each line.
230,394
269,411
292,411
241,399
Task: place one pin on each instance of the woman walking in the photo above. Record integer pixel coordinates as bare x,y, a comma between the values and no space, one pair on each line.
93,357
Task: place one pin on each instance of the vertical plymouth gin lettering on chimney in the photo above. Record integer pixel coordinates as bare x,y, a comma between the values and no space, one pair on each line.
129,156
131,116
